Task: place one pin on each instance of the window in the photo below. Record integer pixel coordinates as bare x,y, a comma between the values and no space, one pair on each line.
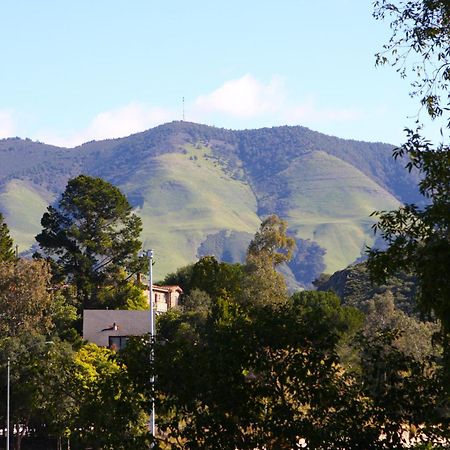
117,342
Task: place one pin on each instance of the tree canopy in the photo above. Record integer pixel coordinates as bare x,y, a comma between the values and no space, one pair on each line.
235,376
270,247
420,46
6,243
91,235
25,298
418,238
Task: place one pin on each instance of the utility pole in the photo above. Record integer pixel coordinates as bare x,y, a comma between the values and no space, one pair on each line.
8,391
152,340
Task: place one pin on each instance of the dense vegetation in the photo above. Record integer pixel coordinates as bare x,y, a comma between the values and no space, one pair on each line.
242,364
418,237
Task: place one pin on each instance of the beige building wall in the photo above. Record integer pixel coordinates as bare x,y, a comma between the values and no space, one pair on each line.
165,297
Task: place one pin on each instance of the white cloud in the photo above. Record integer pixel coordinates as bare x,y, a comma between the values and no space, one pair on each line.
309,112
120,122
7,124
246,102
244,98
127,120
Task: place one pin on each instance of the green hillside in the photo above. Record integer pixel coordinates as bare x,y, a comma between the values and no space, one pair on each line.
203,189
188,196
22,206
330,203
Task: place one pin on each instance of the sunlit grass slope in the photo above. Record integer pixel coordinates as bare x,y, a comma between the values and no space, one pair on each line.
187,196
23,205
330,202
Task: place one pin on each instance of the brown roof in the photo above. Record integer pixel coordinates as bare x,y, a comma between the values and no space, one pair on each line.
167,288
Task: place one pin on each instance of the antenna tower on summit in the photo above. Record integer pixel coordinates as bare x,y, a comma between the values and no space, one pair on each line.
183,109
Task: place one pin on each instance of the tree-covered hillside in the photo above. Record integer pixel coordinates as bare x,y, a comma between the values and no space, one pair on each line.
204,189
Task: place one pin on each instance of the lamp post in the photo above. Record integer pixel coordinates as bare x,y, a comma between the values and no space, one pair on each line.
152,337
8,406
8,392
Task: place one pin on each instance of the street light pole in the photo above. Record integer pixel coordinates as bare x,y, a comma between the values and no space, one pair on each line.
152,339
8,390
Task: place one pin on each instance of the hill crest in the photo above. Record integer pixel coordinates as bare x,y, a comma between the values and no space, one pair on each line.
200,181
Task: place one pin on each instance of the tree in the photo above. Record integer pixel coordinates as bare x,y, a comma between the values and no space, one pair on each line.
271,241
255,282
25,298
40,402
415,337
270,377
420,31
418,239
110,413
330,318
264,379
270,247
91,235
407,398
6,243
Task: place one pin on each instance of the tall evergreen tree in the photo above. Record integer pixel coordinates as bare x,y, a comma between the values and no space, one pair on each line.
92,236
6,243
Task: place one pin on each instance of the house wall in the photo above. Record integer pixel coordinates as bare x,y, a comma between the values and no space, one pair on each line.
129,323
165,298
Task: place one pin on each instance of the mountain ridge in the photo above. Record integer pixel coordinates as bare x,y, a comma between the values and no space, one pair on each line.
199,181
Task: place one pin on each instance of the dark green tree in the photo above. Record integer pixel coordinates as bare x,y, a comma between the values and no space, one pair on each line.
92,236
40,403
265,379
216,278
330,318
418,238
6,243
181,277
271,377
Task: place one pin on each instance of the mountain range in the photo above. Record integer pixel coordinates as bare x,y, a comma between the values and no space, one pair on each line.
204,190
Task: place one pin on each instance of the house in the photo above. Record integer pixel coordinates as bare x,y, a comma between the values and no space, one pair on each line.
166,297
111,328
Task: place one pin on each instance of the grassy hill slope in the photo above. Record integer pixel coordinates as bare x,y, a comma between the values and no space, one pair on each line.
330,202
200,188
23,205
186,197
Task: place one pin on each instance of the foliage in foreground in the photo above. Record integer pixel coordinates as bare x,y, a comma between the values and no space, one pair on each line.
418,239
270,376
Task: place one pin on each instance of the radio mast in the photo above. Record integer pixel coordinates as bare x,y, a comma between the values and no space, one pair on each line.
183,109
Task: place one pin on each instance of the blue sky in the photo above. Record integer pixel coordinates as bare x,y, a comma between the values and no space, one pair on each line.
74,71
